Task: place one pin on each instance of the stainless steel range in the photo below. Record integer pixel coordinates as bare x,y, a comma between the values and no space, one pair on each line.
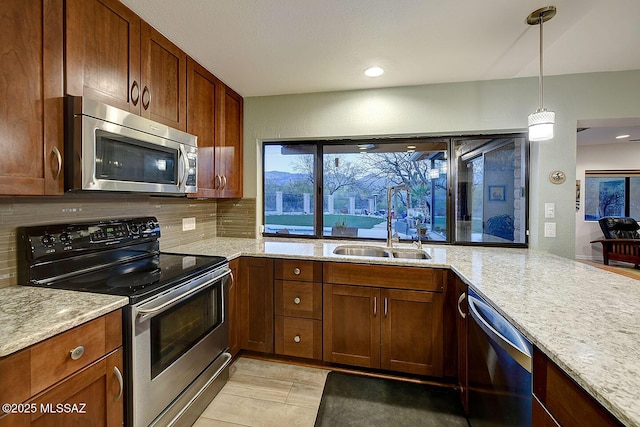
175,328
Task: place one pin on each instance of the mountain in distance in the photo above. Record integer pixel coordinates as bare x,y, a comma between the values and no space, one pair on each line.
283,178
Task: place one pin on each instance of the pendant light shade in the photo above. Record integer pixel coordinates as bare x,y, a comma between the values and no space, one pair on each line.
542,120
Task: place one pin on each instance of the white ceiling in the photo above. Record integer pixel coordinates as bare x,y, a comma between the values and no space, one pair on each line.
270,47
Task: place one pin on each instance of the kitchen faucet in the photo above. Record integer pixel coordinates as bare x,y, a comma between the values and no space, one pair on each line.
391,191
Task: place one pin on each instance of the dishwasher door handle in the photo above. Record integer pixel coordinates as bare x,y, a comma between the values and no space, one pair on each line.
520,352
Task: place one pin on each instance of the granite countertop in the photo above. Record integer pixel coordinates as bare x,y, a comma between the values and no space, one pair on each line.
583,318
31,314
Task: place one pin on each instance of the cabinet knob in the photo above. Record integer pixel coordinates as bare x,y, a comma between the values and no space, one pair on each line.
77,352
296,338
296,271
296,300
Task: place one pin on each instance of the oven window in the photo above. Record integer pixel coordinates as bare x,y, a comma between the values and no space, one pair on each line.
178,329
124,159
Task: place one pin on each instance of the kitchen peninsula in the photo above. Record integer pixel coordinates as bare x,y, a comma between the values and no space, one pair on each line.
584,319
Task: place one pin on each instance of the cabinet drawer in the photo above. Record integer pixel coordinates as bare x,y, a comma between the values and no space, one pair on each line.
385,276
52,360
299,337
293,269
298,299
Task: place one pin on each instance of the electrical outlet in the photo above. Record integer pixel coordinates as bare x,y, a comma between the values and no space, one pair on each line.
549,229
188,224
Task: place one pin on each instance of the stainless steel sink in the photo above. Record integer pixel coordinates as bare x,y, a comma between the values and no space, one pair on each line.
376,251
362,251
409,253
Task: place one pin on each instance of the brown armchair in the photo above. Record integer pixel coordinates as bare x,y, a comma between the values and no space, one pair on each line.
621,240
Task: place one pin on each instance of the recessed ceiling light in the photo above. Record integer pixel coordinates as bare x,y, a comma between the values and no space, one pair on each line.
373,72
622,136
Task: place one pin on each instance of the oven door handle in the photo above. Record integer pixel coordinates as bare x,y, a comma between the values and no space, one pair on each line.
150,312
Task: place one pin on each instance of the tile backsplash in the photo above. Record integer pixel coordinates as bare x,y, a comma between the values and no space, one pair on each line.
23,211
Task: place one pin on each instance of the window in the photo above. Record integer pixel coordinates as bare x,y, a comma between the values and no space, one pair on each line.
611,193
340,189
491,205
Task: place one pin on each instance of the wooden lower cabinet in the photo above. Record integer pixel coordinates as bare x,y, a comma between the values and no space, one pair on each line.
61,391
255,304
559,401
461,329
392,329
234,325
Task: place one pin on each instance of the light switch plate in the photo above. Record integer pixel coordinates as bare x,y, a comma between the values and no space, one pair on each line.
549,210
549,229
188,224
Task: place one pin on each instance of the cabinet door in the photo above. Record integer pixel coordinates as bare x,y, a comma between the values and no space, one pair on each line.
461,327
103,52
98,386
256,304
204,107
234,343
164,79
228,155
351,325
31,75
412,332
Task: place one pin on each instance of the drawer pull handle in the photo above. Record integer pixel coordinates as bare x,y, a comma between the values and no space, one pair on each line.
77,352
296,271
118,375
296,338
296,300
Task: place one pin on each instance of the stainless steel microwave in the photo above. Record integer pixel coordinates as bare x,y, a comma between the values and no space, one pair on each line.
108,149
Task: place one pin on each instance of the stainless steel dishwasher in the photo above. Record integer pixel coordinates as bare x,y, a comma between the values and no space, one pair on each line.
500,389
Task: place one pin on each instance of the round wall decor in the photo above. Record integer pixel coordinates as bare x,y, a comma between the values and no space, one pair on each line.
557,177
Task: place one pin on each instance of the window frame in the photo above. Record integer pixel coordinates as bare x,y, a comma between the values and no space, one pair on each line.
451,176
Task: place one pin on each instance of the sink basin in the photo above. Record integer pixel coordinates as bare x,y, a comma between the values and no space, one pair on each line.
377,251
409,253
362,251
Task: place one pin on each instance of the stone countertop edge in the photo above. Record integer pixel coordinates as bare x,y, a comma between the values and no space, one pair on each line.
30,314
581,317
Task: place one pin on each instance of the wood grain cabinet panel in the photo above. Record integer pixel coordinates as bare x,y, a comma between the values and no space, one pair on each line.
379,326
229,151
563,400
255,304
114,57
234,321
351,325
298,299
215,115
299,337
45,376
31,67
102,46
411,335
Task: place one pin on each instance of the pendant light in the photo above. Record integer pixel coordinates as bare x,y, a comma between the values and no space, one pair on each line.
542,120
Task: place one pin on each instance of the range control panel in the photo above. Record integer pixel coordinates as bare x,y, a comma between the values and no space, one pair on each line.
53,239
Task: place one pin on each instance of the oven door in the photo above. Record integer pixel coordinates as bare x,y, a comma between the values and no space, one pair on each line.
174,337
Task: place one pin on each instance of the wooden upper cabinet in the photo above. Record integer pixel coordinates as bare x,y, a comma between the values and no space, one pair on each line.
215,116
103,53
30,91
164,79
203,120
229,150
114,57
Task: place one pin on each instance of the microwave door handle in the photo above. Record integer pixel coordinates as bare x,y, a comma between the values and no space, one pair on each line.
182,166
153,311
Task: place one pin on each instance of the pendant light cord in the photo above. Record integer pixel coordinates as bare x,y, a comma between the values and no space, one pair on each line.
540,80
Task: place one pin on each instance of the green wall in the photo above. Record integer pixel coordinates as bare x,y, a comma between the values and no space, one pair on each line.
456,108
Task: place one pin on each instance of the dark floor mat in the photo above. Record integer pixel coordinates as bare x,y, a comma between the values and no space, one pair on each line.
354,400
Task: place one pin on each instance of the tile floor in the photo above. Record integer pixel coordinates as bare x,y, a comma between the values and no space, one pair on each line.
264,393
